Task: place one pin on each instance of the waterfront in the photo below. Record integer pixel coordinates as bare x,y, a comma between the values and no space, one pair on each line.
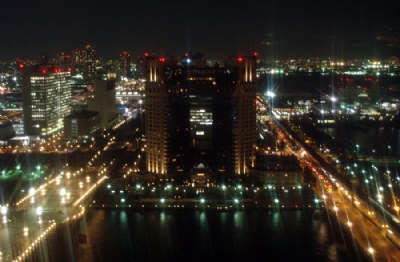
372,141
165,235
285,235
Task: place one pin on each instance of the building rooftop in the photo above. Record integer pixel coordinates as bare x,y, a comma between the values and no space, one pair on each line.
82,114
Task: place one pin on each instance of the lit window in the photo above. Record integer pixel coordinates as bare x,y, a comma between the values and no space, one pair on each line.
199,133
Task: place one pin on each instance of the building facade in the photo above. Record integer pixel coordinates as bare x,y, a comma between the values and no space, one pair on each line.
46,94
6,129
198,114
102,100
125,64
81,124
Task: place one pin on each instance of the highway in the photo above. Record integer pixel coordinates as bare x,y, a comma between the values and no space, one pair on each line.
371,233
374,236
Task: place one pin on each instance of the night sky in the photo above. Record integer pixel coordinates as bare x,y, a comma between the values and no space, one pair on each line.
275,28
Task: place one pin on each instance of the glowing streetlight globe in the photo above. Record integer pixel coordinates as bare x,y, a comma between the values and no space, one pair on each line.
4,210
39,211
270,94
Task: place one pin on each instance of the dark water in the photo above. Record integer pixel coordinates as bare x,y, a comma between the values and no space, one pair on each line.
374,138
120,235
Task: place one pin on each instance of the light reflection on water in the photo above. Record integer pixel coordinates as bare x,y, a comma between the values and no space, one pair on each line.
119,235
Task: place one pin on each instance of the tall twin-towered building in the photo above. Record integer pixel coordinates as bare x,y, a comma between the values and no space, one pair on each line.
200,115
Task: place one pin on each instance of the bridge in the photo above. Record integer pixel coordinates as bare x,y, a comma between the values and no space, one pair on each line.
380,160
28,222
366,226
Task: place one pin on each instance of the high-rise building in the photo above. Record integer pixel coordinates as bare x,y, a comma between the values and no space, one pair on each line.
125,64
81,124
46,94
140,65
64,61
102,100
85,60
199,115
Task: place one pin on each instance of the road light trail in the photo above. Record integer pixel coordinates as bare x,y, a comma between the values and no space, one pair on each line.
381,245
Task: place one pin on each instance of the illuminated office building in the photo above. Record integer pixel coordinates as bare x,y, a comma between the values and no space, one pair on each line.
46,94
199,114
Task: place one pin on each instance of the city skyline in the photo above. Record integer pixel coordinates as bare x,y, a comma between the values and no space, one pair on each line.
149,130
289,29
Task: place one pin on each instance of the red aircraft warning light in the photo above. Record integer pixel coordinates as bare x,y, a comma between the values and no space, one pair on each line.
240,59
162,59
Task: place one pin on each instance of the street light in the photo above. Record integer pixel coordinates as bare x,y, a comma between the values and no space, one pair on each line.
39,211
140,111
4,210
271,96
